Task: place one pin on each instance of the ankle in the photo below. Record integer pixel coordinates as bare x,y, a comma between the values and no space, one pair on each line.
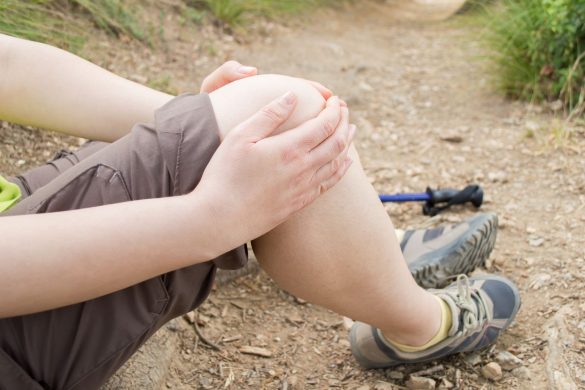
421,330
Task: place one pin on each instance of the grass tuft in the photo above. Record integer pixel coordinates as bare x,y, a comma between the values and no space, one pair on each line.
60,22
538,49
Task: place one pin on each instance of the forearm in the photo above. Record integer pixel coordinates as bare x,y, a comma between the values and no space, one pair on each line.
79,255
46,87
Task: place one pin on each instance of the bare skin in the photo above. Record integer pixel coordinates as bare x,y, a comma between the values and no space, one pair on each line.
340,252
289,169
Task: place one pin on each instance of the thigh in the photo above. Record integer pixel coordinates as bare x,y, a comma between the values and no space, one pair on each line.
32,180
80,346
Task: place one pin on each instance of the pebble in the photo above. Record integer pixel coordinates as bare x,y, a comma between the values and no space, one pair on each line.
347,323
508,361
420,383
474,359
492,371
292,380
257,351
540,281
521,372
536,242
445,384
396,375
364,387
383,386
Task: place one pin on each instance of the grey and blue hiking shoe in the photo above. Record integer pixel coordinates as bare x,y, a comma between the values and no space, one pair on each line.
434,256
482,307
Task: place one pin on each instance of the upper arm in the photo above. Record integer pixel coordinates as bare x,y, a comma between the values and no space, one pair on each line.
8,49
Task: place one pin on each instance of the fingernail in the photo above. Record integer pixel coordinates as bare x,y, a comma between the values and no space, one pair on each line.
333,99
289,98
246,69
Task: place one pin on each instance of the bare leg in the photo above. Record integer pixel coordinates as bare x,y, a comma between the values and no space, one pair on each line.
340,252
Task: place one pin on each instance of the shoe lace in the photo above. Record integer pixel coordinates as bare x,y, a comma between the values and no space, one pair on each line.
471,304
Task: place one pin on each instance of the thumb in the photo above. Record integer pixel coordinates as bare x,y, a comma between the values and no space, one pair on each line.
270,117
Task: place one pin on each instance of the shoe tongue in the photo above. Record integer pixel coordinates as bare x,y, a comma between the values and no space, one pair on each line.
455,313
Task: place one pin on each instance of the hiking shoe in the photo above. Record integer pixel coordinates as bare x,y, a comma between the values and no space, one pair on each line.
482,307
434,256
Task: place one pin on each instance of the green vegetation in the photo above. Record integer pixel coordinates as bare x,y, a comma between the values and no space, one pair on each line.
61,22
234,13
538,49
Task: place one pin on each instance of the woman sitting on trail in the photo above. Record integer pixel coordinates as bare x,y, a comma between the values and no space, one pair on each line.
266,159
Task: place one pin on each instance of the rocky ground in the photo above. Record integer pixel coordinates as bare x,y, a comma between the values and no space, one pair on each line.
420,95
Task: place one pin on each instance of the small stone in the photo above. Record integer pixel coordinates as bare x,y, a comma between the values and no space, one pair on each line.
521,372
295,319
364,387
492,371
536,242
532,126
474,359
257,351
347,323
366,87
445,384
383,386
499,176
508,361
557,105
292,381
344,343
396,375
540,281
420,383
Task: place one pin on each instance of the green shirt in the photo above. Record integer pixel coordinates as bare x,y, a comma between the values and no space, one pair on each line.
9,194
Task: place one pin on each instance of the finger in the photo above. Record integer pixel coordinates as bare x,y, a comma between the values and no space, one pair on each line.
335,147
314,131
269,118
330,175
228,72
323,90
336,176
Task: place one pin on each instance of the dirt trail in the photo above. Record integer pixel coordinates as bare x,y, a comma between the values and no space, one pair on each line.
410,87
413,89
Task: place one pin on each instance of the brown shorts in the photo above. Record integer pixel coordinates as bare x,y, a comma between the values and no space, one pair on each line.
82,345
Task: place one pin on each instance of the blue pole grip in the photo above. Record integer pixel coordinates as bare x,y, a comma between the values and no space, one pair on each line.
414,197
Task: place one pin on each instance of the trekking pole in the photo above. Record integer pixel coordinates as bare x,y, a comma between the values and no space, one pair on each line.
439,200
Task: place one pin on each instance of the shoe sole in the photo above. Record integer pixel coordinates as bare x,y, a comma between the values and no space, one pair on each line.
467,253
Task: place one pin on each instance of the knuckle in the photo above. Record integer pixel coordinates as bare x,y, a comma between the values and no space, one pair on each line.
272,114
340,144
289,154
328,128
334,166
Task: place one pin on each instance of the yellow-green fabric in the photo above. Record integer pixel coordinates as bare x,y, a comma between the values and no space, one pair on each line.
9,194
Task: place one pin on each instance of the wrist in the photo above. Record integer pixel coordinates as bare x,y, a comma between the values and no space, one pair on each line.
207,228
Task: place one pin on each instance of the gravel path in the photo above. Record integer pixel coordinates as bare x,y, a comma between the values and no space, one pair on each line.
426,117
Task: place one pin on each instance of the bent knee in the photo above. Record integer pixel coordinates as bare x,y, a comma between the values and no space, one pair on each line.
237,101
